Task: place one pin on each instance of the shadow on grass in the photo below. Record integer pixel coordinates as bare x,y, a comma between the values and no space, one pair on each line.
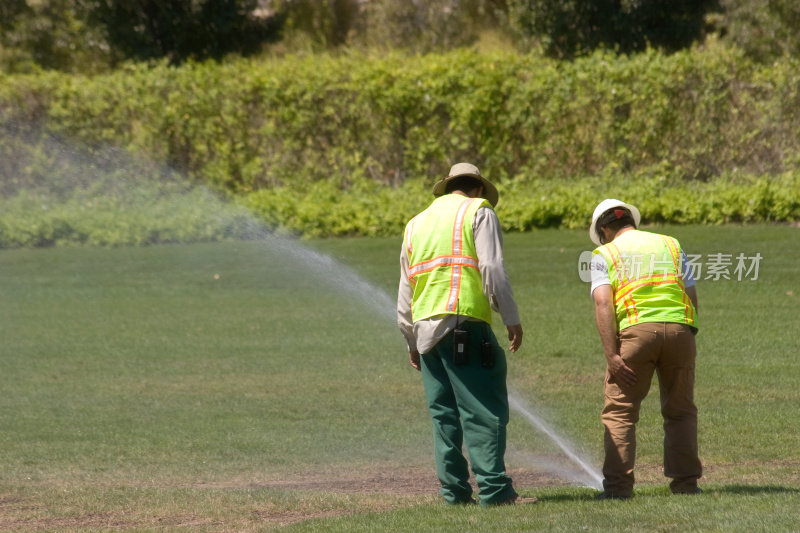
751,490
661,492
572,496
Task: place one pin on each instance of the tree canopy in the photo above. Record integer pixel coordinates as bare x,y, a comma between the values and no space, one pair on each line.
97,35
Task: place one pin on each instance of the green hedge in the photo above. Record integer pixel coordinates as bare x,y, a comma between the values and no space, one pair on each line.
350,145
172,213
373,210
249,125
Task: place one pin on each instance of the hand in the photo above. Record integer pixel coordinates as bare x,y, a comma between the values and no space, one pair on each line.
622,373
515,336
413,358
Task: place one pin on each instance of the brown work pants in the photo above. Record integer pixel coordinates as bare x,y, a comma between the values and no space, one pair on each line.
669,350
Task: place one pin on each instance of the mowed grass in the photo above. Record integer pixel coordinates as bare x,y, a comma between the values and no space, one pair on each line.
228,387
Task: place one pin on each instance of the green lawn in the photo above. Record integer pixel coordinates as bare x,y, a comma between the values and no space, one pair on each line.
241,386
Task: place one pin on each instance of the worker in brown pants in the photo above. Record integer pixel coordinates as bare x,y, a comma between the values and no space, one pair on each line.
646,315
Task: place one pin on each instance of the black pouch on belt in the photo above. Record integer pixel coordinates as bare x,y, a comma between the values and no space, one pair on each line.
487,355
460,338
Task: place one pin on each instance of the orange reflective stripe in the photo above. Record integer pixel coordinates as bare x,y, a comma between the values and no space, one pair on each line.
458,227
676,260
673,252
630,305
615,254
441,261
458,238
455,287
687,306
630,308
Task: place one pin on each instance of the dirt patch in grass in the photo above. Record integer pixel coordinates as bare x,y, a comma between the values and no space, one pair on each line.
307,495
354,491
398,481
381,491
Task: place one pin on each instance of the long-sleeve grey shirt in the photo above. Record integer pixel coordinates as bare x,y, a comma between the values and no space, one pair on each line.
423,335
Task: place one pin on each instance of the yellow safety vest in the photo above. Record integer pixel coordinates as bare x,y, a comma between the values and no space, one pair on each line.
646,273
443,264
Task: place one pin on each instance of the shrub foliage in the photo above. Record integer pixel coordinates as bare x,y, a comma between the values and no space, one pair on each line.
350,145
369,209
247,125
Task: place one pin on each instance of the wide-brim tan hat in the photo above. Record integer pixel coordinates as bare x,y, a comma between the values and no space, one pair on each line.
468,169
604,206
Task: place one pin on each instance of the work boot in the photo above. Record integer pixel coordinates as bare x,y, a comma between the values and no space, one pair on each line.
517,500
695,490
685,486
606,495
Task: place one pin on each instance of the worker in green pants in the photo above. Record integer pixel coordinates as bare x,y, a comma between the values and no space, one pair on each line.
452,278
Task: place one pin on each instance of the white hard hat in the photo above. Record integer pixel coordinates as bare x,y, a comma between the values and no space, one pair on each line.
604,206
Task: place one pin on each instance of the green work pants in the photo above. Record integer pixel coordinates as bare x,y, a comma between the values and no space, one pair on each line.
469,403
